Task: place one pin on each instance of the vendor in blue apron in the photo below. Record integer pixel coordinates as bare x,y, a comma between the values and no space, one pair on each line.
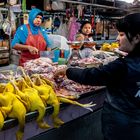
30,38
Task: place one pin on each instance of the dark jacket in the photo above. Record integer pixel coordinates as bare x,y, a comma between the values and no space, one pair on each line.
121,77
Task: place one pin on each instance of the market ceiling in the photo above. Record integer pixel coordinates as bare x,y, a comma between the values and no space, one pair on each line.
106,4
103,2
103,7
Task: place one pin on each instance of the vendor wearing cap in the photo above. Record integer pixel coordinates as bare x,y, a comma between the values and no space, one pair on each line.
30,38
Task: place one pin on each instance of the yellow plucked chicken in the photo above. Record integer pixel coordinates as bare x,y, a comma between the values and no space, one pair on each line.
4,111
106,47
60,98
109,47
48,97
11,87
59,93
68,98
114,45
18,111
2,87
35,101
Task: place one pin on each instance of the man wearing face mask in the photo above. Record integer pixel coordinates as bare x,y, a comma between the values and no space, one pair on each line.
30,38
121,110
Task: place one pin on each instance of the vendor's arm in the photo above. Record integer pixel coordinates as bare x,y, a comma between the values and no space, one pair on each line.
19,40
22,47
107,74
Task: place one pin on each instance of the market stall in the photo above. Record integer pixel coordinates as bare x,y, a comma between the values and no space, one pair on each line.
91,96
80,106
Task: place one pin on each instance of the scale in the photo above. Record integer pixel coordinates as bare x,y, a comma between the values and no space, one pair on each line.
75,53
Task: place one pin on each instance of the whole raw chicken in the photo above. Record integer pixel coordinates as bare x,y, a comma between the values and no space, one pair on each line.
9,99
35,102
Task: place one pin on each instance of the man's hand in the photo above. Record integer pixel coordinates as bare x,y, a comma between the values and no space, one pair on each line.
32,50
60,73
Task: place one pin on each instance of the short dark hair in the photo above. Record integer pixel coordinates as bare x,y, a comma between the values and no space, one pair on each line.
83,24
130,24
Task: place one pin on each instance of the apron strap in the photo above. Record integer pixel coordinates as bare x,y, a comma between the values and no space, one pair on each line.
28,27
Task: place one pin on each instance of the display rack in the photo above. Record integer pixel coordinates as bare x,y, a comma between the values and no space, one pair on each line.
5,50
5,46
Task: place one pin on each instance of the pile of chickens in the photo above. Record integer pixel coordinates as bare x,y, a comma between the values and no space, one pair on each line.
24,93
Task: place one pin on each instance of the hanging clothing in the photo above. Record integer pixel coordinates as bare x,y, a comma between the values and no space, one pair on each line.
73,28
63,29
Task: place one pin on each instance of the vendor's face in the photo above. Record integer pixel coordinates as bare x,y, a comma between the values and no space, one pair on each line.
87,29
38,20
124,43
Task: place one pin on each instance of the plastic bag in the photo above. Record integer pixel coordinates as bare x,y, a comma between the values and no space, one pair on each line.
58,41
